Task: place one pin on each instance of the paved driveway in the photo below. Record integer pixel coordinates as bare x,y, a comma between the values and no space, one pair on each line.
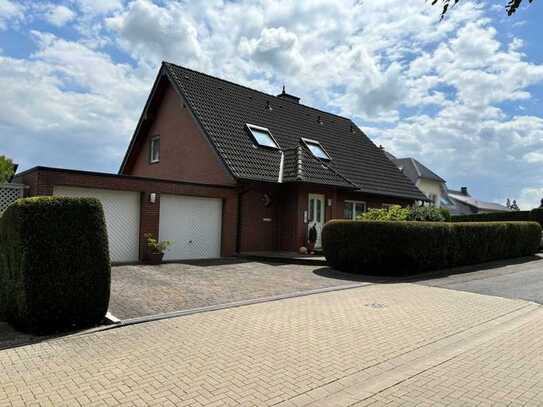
149,290
396,343
519,279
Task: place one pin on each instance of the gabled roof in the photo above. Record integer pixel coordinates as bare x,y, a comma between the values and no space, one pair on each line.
414,170
223,109
475,203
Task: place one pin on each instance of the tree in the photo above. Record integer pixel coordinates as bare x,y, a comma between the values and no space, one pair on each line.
7,169
510,8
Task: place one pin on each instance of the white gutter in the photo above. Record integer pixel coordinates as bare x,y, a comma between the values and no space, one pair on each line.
281,164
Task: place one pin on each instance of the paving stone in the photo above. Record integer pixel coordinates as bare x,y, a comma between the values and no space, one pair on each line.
269,353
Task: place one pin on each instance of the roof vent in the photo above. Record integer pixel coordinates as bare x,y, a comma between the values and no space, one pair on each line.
268,105
286,96
319,120
464,191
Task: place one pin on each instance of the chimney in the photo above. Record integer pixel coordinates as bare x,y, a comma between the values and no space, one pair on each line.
286,96
464,191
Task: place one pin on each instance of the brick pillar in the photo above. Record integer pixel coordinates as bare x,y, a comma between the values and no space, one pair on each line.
149,219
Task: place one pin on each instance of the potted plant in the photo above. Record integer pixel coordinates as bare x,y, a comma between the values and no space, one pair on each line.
156,249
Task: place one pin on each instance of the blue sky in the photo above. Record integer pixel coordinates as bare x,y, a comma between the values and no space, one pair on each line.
463,96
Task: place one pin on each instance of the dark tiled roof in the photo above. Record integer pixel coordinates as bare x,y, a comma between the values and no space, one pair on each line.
301,166
224,108
415,170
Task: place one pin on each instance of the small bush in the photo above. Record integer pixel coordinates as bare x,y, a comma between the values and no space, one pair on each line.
403,248
394,213
54,264
397,213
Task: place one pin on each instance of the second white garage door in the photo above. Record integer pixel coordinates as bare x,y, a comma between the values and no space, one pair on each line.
194,224
122,213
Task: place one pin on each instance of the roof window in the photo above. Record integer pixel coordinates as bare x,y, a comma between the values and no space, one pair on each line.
316,149
262,136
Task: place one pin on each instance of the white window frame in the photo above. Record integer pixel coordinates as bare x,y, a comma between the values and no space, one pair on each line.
308,141
353,203
252,127
152,160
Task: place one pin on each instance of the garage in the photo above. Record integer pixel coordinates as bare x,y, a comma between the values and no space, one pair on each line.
122,213
194,224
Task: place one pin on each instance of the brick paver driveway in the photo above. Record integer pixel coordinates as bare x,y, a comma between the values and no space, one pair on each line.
149,290
400,343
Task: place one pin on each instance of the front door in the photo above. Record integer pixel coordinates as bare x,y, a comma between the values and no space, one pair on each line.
316,216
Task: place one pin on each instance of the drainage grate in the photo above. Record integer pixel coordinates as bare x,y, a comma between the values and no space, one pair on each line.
375,305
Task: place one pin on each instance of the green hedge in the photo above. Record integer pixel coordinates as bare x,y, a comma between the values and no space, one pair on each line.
54,264
403,248
535,215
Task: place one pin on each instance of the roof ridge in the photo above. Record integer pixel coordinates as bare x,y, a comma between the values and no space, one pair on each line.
255,90
415,164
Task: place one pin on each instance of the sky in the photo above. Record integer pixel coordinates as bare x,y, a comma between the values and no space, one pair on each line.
463,95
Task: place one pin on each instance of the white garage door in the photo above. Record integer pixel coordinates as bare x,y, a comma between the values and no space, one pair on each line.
194,224
122,213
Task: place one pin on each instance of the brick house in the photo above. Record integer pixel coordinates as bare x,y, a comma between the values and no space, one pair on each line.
222,169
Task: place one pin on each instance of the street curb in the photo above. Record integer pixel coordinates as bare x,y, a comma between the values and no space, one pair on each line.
230,305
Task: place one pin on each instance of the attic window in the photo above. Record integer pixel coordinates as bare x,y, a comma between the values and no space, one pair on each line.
262,136
316,149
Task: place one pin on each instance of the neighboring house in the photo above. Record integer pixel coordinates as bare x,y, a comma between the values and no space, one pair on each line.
462,203
221,168
431,184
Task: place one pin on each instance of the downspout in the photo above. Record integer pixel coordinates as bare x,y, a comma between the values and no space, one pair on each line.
281,165
238,226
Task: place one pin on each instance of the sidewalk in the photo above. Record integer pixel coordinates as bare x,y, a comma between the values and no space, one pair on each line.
400,343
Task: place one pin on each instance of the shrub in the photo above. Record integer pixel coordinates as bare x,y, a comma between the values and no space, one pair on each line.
394,213
513,216
54,264
403,248
429,214
397,213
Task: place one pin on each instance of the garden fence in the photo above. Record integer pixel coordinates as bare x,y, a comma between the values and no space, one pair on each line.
8,194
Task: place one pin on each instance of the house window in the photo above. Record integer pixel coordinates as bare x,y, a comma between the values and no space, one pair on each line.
353,209
433,198
316,149
262,136
154,155
388,206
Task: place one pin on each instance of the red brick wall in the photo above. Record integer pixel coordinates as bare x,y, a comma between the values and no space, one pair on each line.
149,219
42,182
257,233
185,152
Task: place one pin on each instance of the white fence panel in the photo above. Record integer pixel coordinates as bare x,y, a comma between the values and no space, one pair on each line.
9,193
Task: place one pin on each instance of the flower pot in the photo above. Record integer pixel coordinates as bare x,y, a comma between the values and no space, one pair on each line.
154,258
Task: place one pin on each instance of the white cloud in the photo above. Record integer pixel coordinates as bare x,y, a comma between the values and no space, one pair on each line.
59,15
275,48
435,90
99,7
534,157
152,33
530,198
69,101
10,11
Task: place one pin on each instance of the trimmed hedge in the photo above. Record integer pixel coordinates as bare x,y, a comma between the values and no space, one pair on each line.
535,215
404,248
55,272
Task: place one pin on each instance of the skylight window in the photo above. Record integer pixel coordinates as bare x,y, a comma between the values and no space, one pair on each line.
262,136
316,149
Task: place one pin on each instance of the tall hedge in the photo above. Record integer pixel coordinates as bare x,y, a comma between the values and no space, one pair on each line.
535,215
55,272
403,248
